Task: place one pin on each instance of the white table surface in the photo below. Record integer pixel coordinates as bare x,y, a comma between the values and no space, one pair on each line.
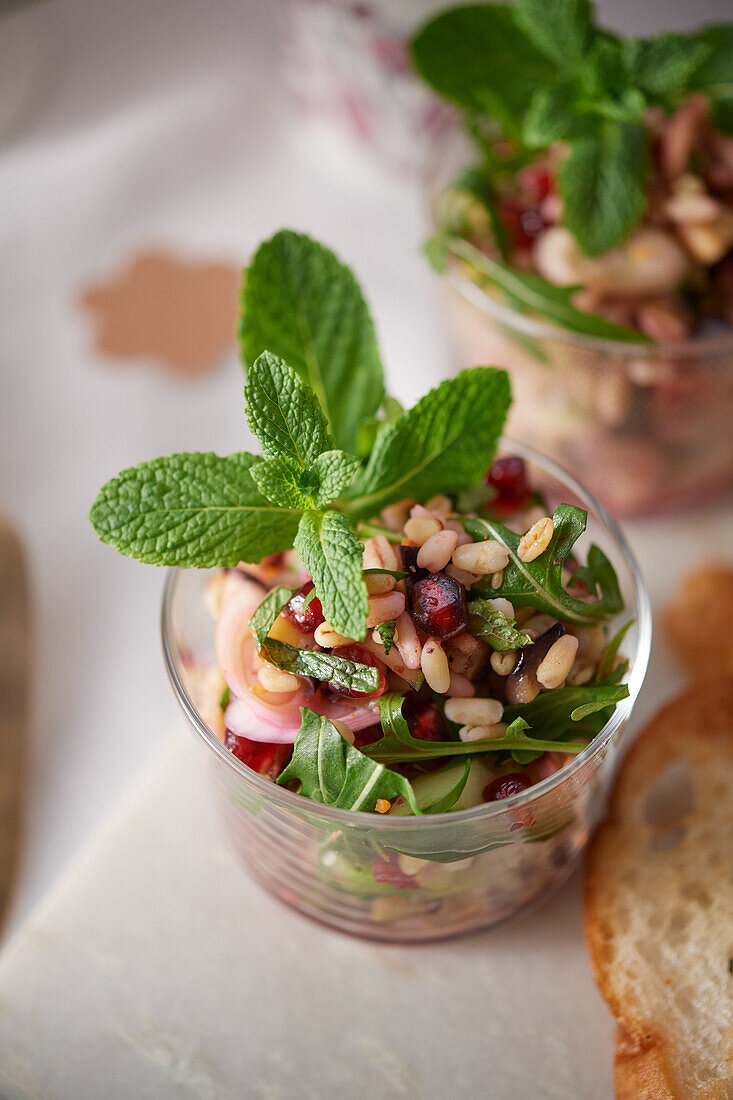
162,124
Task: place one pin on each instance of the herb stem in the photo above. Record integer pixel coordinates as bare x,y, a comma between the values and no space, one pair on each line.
393,754
370,530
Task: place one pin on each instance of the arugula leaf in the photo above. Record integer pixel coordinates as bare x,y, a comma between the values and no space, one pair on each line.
561,29
386,632
495,627
284,413
442,444
332,555
603,185
284,483
476,56
608,658
531,293
264,616
325,667
301,303
334,773
714,77
564,711
539,584
193,510
663,64
399,746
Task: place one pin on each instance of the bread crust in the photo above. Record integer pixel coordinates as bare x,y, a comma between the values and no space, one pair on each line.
696,727
697,624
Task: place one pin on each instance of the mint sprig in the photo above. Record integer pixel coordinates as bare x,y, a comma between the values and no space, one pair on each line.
495,628
332,554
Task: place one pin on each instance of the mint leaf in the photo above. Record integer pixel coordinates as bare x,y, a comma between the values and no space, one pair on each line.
283,413
553,115
477,57
442,444
603,185
663,65
264,616
561,29
530,293
539,584
332,555
714,77
193,510
494,627
326,667
334,773
290,486
301,303
386,632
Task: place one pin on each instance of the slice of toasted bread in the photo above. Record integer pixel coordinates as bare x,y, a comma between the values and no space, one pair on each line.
659,903
698,623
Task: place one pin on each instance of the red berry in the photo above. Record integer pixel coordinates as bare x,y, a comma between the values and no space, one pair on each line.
264,757
505,786
386,868
359,656
425,721
508,477
439,606
306,619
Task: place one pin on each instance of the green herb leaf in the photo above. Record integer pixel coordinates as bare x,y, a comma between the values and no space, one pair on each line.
335,471
386,632
264,616
531,293
539,583
325,667
561,29
603,185
495,628
663,65
332,555
301,303
553,115
477,57
284,483
334,773
562,712
193,510
284,413
714,77
443,444
608,659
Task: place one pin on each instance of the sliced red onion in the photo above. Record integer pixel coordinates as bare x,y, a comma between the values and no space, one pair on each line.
240,718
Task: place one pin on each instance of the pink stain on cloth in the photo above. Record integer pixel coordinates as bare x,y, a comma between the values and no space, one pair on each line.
179,312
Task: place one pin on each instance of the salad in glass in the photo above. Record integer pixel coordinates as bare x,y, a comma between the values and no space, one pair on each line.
405,629
585,223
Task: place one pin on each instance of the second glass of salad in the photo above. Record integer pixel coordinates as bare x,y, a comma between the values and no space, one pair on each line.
409,657
583,218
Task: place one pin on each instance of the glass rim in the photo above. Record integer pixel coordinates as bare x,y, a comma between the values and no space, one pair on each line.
297,802
531,326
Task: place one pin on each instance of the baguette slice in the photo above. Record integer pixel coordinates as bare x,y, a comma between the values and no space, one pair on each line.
659,903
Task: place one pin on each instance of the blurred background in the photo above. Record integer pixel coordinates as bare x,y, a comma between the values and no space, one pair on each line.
145,149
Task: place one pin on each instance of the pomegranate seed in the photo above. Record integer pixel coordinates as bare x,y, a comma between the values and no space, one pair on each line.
306,619
508,477
359,656
261,756
425,721
387,869
505,786
439,606
535,182
510,213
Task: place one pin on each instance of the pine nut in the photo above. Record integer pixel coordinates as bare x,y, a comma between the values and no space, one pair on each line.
407,641
439,503
482,733
278,682
537,625
379,583
474,712
503,663
420,529
688,208
463,536
707,243
581,673
460,686
329,638
379,554
462,575
560,658
536,540
500,604
498,579
436,552
383,609
481,557
346,733
410,865
394,516
434,665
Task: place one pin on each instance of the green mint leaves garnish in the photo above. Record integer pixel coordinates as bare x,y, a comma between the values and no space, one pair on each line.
302,304
332,554
539,583
386,632
496,629
547,73
332,772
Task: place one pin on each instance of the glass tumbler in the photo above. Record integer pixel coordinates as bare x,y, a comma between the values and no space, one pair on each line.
412,878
